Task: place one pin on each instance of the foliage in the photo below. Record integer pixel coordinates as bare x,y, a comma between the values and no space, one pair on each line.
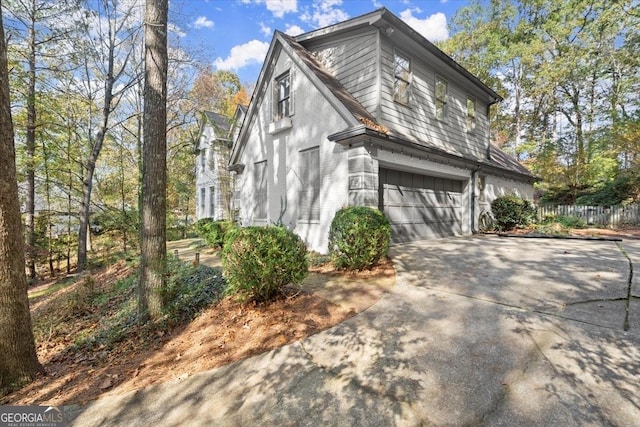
201,226
565,221
510,211
260,261
190,289
215,232
359,237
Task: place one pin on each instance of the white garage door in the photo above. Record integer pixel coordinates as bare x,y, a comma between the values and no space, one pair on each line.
420,206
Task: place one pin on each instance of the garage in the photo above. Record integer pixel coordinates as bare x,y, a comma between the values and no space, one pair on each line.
420,206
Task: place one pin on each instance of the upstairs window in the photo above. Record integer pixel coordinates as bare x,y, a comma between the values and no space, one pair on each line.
401,79
203,159
441,98
283,96
309,207
471,114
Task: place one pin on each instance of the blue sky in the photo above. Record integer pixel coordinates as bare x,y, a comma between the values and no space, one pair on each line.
235,34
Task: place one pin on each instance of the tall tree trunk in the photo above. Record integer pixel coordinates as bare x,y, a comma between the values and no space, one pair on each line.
18,361
154,177
30,144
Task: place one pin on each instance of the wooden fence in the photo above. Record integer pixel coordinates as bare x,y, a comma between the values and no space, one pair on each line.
611,216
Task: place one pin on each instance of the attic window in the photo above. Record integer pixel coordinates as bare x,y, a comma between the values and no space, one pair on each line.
283,96
401,78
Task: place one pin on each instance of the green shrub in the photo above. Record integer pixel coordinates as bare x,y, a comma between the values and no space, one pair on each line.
359,237
566,221
190,289
201,226
214,232
511,211
259,261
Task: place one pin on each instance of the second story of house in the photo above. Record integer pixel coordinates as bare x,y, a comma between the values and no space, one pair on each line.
212,146
406,83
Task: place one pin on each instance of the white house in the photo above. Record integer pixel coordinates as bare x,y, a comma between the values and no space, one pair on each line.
368,112
212,177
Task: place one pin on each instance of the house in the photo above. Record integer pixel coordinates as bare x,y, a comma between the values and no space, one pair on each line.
368,112
213,181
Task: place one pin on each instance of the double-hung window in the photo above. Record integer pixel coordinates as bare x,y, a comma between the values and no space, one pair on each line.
441,98
212,202
471,114
309,205
401,78
283,96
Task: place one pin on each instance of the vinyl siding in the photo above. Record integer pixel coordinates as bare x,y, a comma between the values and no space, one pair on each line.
418,119
353,60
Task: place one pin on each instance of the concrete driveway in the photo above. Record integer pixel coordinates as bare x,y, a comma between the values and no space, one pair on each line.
477,331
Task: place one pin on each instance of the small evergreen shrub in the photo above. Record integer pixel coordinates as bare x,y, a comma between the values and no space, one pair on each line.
511,211
215,231
201,226
359,237
567,221
259,262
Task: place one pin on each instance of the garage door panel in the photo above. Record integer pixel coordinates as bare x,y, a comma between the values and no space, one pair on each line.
421,206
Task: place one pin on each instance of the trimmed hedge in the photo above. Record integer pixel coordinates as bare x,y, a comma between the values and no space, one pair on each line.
259,261
358,238
511,211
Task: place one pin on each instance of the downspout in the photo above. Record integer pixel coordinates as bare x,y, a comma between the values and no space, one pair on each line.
474,178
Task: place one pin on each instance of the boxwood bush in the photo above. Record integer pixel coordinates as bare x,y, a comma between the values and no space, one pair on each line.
359,237
259,261
510,211
214,234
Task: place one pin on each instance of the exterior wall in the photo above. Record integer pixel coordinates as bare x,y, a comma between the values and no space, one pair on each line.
209,177
353,60
418,119
279,144
496,186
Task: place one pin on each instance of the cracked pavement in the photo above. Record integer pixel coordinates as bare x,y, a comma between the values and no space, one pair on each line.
477,331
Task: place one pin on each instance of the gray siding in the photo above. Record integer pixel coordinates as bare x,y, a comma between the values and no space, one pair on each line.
418,119
353,60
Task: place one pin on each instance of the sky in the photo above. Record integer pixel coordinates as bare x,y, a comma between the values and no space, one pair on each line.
234,35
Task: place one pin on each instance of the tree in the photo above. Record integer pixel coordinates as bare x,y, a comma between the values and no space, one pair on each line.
19,361
154,178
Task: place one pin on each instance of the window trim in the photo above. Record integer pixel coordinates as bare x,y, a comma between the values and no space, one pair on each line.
443,101
278,102
397,77
472,119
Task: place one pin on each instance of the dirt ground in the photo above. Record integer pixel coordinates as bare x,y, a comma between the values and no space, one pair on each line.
224,333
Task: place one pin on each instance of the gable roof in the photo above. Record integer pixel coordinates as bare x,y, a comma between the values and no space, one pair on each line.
360,120
218,122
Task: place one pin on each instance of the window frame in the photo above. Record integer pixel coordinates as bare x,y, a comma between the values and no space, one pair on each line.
441,102
310,184
472,114
282,101
203,201
403,78
212,202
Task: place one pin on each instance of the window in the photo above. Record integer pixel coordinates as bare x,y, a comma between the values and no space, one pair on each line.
401,79
203,159
309,206
212,202
283,96
202,201
441,98
471,114
260,182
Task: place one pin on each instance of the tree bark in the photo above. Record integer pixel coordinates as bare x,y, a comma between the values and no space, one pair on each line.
154,178
18,361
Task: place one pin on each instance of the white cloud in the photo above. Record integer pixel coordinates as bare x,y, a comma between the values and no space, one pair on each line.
281,7
265,29
203,22
176,30
325,14
293,30
252,52
433,28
